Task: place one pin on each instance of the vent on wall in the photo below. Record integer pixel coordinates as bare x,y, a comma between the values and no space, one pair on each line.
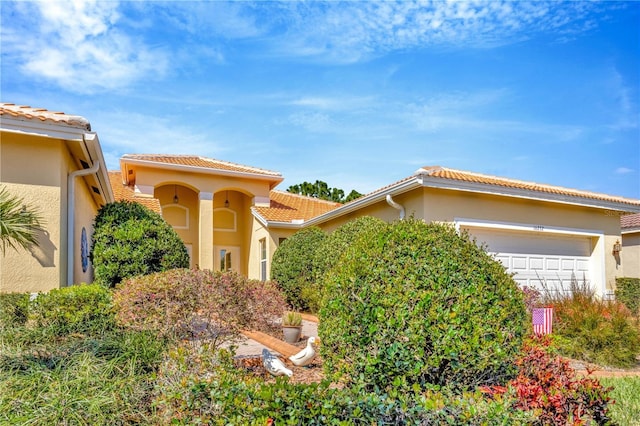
96,190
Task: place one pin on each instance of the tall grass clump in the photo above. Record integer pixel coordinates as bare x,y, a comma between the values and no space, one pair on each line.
68,362
588,328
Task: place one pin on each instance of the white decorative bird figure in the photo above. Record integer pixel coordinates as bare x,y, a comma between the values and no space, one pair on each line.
305,356
273,364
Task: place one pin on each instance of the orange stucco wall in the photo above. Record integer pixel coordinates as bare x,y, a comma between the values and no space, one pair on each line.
36,168
442,205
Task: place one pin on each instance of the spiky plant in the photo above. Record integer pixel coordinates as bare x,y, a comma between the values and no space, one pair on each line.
18,223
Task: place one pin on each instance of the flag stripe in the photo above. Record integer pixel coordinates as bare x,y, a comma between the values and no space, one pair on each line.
542,320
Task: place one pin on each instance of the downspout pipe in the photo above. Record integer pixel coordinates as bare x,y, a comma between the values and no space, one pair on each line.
395,206
71,204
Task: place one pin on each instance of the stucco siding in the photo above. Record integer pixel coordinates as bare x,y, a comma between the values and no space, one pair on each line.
630,255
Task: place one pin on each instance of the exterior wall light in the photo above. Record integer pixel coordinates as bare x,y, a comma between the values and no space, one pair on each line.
617,248
175,194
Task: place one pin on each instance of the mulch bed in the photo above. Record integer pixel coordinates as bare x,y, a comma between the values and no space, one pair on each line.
309,374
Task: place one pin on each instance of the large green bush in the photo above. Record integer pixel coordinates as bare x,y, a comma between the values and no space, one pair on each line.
131,240
418,304
186,303
84,308
628,292
292,265
329,252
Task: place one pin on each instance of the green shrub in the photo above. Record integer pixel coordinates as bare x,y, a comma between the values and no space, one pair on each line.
14,309
84,308
214,391
131,240
594,330
292,265
418,304
330,251
628,292
186,303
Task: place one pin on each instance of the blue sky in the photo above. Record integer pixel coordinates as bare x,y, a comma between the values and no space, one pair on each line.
358,94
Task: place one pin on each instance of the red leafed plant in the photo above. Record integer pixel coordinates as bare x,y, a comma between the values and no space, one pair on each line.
548,386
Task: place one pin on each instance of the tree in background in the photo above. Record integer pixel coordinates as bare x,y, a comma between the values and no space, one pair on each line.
19,225
131,240
321,190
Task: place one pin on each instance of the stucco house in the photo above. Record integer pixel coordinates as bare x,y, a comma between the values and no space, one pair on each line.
232,217
630,245
54,162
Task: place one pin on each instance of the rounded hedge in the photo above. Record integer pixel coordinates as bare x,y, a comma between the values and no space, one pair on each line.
292,264
131,240
417,304
330,251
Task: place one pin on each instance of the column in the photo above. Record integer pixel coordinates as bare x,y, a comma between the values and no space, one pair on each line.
205,247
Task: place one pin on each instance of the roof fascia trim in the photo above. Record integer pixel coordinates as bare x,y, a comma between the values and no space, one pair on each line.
275,224
95,152
194,169
443,183
630,230
367,200
47,129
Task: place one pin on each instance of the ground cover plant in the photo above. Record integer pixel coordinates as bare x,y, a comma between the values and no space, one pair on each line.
131,240
69,364
418,304
626,394
211,390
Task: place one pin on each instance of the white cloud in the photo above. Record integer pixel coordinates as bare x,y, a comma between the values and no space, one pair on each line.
77,45
624,170
123,132
352,31
312,121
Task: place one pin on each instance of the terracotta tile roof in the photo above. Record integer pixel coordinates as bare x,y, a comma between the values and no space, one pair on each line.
26,112
200,162
463,176
287,207
630,221
122,192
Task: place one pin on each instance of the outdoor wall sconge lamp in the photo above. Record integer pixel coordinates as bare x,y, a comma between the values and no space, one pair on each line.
226,201
175,194
617,248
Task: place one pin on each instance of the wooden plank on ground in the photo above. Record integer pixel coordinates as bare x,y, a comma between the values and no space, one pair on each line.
272,343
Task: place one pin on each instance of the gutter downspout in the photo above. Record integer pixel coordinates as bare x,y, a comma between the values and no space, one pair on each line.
71,201
395,206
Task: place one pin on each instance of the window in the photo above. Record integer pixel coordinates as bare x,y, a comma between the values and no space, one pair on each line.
263,259
225,260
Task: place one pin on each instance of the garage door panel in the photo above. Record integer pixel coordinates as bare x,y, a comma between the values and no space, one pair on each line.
544,261
553,264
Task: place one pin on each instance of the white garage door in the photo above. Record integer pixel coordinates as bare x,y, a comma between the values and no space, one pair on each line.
539,259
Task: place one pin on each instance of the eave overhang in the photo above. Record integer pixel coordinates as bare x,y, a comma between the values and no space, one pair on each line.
274,179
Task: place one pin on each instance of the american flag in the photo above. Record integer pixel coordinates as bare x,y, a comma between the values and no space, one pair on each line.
542,320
